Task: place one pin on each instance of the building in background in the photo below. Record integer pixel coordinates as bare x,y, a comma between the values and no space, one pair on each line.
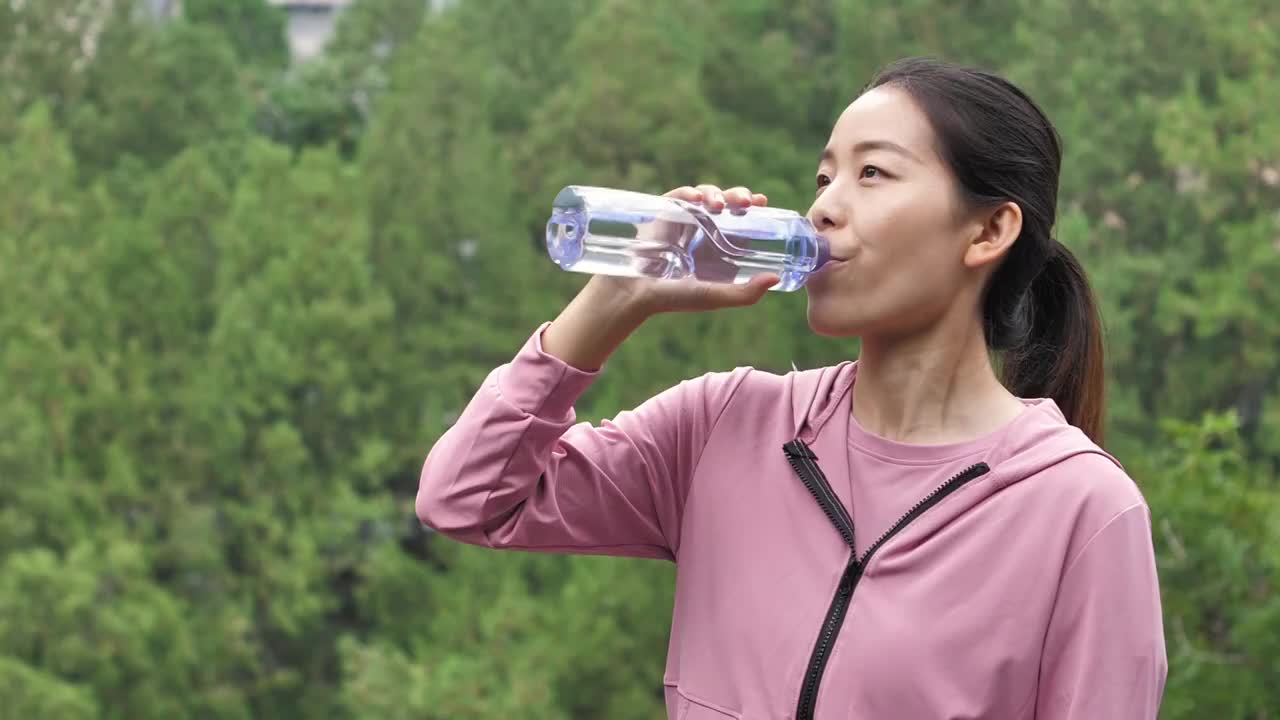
163,8
310,24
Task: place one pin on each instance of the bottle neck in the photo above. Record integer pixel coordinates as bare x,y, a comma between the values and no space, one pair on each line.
824,251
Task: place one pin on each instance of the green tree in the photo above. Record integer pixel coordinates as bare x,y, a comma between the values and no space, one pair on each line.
152,91
1217,522
32,693
43,55
256,30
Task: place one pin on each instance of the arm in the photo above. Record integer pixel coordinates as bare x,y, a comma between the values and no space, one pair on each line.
1104,653
515,471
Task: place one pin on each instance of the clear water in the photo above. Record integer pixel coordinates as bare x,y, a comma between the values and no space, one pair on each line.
613,232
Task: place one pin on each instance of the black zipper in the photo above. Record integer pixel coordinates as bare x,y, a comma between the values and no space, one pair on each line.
804,462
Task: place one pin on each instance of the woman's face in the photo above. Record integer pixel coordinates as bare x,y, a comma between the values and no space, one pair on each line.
891,210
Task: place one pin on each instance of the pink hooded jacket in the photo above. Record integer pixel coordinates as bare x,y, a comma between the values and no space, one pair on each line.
1011,577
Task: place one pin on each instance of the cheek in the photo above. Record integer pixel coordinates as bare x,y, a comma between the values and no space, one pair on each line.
897,221
908,267
908,231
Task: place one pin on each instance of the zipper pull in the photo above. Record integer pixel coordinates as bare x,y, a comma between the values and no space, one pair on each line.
852,570
797,449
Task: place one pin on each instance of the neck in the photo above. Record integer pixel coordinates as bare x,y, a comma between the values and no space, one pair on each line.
933,388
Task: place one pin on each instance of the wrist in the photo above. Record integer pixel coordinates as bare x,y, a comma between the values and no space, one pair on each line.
593,325
620,299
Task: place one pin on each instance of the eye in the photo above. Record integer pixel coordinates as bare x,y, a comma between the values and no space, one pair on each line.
871,171
823,180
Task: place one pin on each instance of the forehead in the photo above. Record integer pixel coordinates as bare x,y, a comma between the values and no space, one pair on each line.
884,113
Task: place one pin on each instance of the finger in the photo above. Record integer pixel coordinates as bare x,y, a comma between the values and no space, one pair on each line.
765,281
759,199
737,199
739,196
712,197
749,293
688,193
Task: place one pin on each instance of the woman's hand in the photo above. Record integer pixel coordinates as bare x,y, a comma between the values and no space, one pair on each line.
649,296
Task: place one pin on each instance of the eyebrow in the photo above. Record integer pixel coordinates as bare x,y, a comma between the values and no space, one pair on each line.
869,145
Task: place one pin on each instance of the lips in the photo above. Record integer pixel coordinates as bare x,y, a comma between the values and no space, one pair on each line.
829,266
832,260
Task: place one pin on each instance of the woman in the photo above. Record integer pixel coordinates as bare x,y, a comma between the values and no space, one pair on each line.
908,536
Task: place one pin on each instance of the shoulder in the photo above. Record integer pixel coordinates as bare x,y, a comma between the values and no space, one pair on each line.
1097,479
710,395
1062,466
743,386
1091,491
749,383
1063,477
796,386
800,400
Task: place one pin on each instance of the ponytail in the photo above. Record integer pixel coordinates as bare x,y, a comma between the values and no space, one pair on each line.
1058,351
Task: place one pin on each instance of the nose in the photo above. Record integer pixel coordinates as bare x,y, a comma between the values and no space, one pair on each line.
827,213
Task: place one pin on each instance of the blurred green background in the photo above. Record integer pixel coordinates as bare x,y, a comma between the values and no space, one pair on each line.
244,287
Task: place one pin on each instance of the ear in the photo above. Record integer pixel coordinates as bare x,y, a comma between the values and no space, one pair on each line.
995,231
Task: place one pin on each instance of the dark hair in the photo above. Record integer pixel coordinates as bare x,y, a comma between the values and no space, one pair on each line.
1038,311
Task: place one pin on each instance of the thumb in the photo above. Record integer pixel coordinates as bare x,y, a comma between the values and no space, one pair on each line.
748,293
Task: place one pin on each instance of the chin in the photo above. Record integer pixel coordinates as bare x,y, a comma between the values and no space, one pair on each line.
829,322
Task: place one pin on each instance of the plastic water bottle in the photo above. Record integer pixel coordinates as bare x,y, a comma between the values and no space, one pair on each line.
617,232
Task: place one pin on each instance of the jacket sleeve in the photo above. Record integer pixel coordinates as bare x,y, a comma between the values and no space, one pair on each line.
1104,653
516,471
